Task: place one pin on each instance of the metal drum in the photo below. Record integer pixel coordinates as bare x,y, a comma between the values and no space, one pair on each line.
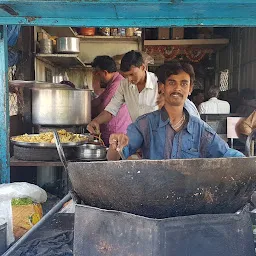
68,45
46,46
61,106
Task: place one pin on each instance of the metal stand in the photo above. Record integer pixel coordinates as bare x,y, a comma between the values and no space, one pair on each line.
232,143
249,145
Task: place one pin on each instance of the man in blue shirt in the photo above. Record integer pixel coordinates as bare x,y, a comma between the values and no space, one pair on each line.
171,132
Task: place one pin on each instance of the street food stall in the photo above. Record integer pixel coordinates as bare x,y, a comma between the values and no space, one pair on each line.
141,13
109,14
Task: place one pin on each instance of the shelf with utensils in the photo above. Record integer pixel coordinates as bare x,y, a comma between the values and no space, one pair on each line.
70,32
215,43
109,38
63,60
60,31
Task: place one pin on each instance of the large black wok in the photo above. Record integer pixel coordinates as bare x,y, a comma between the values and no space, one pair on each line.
166,188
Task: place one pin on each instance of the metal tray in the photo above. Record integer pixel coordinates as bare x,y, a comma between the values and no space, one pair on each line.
45,145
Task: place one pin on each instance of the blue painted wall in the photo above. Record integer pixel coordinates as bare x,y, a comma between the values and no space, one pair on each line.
4,109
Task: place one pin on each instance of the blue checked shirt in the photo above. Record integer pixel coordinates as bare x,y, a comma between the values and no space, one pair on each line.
153,134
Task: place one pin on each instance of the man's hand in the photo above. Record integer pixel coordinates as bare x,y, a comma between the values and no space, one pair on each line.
118,141
93,127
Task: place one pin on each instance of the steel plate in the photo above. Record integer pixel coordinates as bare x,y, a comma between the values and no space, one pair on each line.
46,145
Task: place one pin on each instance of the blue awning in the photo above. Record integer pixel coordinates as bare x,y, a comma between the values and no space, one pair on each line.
130,13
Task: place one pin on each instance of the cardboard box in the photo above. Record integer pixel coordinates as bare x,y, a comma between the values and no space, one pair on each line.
41,35
158,58
163,33
177,33
24,217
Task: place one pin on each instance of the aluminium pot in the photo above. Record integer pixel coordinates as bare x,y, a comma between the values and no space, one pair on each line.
68,45
61,106
46,46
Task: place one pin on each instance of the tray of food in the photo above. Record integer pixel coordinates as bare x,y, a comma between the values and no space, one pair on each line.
46,139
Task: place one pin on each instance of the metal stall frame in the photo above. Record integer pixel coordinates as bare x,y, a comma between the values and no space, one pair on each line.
106,13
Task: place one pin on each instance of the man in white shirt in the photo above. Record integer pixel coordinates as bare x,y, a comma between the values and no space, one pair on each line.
214,105
139,91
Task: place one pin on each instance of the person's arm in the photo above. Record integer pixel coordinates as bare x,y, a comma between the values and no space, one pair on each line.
129,144
117,100
104,99
94,126
96,106
96,102
216,147
111,110
116,144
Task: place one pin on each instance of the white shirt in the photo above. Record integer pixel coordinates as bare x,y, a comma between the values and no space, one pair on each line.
141,103
191,108
137,103
214,106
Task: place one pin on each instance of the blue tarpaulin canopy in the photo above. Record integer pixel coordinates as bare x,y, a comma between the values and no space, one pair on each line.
135,13
13,32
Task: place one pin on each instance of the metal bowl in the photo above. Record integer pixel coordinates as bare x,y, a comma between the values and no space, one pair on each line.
90,152
166,188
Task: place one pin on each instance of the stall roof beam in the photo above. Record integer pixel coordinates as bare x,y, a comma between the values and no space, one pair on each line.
129,13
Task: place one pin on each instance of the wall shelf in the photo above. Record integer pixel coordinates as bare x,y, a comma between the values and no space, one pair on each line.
16,162
63,60
109,38
60,31
189,42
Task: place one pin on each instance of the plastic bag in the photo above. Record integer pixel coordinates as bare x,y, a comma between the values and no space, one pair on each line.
6,214
13,32
22,190
17,190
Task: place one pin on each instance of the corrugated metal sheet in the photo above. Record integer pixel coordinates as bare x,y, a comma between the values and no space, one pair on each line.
248,58
240,58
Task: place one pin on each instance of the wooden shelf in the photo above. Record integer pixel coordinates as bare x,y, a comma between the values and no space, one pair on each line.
16,162
109,38
63,60
60,31
191,42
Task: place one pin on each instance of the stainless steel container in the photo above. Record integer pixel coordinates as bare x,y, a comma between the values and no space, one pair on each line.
60,106
90,152
46,46
68,45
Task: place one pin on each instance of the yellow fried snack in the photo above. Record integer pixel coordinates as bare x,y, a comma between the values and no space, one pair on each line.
48,137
